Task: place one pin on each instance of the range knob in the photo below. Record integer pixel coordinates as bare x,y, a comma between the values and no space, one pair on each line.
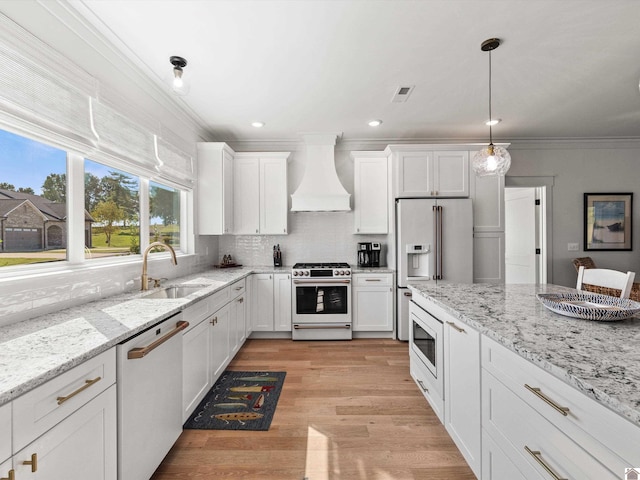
306,273
295,273
347,272
336,273
341,272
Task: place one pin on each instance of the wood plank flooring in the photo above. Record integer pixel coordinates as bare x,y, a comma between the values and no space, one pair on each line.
348,410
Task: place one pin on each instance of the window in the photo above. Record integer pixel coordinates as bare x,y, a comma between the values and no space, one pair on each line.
164,215
33,192
112,211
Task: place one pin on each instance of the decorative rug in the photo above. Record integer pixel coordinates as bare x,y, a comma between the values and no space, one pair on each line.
239,401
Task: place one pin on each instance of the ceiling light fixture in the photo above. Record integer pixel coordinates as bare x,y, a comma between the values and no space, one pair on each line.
495,121
375,123
257,124
491,160
179,86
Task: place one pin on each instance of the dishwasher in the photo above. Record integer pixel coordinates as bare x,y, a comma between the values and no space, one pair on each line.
149,367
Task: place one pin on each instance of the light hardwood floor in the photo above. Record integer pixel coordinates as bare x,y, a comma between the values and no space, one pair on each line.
347,411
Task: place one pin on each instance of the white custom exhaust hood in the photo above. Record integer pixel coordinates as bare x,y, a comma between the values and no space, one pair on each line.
320,189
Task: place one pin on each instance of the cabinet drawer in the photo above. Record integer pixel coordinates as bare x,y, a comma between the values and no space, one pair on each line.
373,280
594,426
518,427
422,376
237,288
196,313
37,411
219,299
5,434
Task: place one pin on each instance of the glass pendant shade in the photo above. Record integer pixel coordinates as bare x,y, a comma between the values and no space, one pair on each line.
491,160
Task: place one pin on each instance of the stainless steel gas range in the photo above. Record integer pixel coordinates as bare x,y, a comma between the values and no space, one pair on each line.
321,301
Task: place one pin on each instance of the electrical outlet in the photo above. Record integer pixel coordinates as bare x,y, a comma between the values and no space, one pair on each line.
573,247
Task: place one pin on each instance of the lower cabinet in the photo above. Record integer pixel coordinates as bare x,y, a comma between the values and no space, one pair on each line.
67,427
271,305
196,361
5,437
81,447
220,344
462,389
372,302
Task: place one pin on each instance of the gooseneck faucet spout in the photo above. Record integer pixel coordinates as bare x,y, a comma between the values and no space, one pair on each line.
145,278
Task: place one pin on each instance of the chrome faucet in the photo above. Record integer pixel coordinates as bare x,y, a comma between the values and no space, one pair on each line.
145,278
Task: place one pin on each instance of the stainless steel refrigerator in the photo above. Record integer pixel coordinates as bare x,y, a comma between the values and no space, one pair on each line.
434,242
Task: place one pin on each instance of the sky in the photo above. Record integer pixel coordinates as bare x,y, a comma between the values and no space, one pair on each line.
27,163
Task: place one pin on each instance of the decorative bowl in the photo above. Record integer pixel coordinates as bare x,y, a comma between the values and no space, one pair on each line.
590,306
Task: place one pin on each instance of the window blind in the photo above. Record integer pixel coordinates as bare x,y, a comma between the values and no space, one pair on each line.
174,164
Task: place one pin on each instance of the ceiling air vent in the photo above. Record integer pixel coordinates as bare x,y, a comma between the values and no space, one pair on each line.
402,93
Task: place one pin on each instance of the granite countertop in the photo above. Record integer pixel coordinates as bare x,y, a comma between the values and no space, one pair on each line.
36,350
600,359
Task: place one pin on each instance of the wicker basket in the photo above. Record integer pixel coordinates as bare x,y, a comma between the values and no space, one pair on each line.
587,262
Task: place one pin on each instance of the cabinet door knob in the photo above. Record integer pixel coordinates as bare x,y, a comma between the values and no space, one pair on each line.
33,462
256,230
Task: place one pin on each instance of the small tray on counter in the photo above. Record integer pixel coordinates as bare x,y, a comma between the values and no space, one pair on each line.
590,306
227,265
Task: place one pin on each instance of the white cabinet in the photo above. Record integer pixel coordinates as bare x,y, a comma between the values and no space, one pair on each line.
237,329
271,307
260,193
80,447
196,361
536,419
66,428
371,192
215,188
262,308
462,389
424,171
220,344
5,434
282,302
373,302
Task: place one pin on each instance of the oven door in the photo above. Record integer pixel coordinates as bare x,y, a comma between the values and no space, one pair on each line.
321,309
427,342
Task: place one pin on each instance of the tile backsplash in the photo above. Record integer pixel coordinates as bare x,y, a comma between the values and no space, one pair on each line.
313,237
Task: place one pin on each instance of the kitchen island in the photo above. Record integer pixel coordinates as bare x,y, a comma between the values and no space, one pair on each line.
547,392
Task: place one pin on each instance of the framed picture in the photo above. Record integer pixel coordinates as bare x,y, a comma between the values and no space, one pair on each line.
607,221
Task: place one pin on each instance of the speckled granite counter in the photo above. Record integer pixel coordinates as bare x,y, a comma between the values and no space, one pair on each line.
601,359
36,350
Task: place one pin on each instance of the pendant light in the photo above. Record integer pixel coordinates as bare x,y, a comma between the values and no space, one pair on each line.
178,85
491,160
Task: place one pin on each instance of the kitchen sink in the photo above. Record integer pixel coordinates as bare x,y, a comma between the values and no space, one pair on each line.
174,291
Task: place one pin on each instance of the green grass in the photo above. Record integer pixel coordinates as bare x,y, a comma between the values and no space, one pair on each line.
8,262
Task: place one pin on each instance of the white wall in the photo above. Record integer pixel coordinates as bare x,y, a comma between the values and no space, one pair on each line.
578,168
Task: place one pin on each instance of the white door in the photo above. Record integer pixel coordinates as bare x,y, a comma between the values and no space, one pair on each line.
520,233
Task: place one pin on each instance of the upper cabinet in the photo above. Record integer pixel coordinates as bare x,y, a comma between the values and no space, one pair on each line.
371,197
423,172
215,188
260,193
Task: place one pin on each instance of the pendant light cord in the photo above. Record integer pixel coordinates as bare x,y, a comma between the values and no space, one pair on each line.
490,116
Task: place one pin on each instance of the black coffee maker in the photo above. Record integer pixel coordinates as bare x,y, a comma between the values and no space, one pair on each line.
369,254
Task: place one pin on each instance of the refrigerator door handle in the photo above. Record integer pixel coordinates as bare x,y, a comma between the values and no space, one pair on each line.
436,240
439,273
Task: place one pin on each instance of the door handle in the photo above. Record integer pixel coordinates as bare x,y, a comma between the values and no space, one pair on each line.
12,475
142,351
408,294
33,462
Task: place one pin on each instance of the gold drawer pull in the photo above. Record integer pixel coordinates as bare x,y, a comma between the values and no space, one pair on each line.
538,458
214,321
372,280
33,462
87,384
142,351
424,389
12,475
536,391
453,325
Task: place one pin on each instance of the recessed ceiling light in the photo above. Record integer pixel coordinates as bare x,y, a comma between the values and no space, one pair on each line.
493,122
375,123
257,124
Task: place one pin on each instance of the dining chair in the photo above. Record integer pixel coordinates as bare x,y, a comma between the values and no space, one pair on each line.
603,277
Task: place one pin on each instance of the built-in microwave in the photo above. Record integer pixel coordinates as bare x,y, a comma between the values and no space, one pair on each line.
427,343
